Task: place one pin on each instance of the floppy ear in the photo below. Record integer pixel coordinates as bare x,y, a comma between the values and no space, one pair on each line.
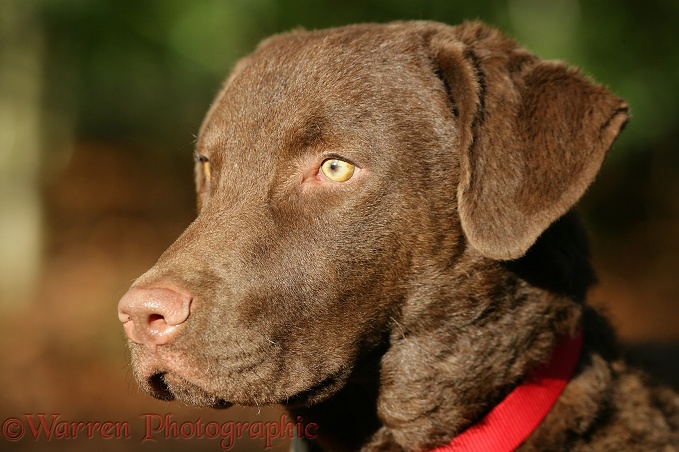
532,136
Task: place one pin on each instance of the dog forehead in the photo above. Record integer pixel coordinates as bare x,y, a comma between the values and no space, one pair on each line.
300,75
373,98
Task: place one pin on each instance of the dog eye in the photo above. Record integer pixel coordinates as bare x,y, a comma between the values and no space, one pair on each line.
205,165
337,170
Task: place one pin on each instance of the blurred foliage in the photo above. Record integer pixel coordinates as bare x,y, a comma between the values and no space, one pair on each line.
146,71
151,67
92,92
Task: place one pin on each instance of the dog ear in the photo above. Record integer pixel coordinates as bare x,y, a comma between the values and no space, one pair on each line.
532,136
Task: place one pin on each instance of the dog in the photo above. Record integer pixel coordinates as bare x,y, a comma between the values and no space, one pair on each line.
386,245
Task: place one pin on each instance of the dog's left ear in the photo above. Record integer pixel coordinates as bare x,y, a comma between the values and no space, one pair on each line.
532,135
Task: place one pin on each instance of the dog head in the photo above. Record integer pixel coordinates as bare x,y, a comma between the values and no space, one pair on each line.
343,178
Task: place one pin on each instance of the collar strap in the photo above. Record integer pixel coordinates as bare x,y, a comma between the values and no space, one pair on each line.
508,425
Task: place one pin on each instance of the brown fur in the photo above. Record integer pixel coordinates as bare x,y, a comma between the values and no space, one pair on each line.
395,309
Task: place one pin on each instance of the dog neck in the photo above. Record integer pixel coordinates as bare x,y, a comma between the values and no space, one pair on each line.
507,425
502,429
459,348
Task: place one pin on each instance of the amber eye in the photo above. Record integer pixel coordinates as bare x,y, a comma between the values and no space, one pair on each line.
337,170
204,163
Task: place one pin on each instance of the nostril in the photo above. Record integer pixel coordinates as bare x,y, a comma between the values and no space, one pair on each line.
152,316
157,321
155,317
159,327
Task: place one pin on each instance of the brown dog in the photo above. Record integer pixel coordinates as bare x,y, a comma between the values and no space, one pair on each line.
384,245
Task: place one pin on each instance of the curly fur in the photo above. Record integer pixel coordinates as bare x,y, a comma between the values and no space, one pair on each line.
396,309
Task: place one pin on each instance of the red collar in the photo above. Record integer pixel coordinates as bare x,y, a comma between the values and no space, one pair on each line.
508,425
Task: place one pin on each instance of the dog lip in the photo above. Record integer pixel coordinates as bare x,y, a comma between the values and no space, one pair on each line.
158,387
221,404
311,394
169,386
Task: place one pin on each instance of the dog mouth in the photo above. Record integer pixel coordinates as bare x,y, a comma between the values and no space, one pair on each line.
314,394
201,382
168,387
165,387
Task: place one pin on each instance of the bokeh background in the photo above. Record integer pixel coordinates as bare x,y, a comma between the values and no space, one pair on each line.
100,101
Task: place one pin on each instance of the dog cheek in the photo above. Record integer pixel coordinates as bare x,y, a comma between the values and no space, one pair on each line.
301,286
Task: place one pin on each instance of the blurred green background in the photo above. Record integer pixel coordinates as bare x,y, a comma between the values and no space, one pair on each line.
100,101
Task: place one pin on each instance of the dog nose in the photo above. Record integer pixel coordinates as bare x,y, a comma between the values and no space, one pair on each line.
153,316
